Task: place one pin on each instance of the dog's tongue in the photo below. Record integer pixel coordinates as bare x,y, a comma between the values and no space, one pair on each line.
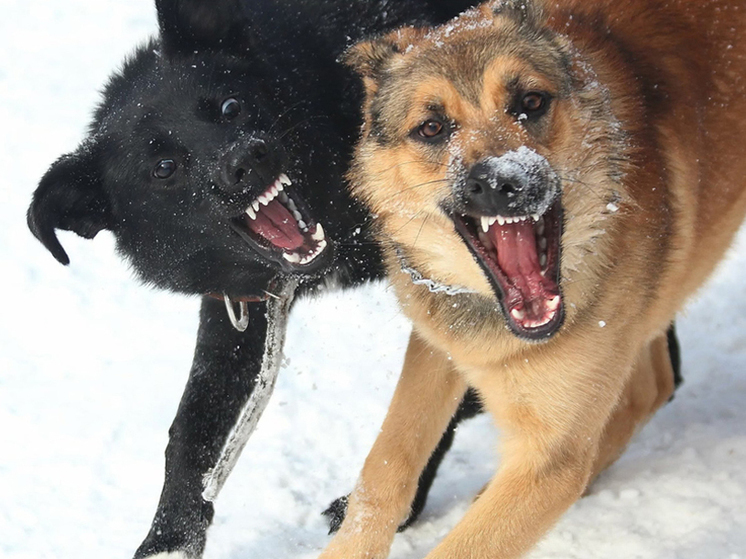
276,224
519,261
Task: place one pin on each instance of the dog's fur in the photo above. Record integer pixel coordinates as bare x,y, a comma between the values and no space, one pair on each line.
639,144
299,114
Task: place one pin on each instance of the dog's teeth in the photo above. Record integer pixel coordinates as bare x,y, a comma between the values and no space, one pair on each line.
500,220
543,260
274,192
518,314
302,225
553,303
293,258
540,227
291,205
543,243
318,235
255,205
297,216
492,221
285,180
278,185
263,200
251,213
536,217
485,224
283,198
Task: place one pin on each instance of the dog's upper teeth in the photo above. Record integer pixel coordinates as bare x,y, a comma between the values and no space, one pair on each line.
536,217
485,223
293,258
274,192
251,213
285,180
263,200
278,185
318,235
255,205
492,221
501,220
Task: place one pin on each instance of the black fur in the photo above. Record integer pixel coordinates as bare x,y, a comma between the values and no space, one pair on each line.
300,115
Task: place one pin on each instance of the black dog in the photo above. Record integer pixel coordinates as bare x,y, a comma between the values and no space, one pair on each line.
217,159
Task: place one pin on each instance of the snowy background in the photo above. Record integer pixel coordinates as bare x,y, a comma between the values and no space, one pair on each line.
92,366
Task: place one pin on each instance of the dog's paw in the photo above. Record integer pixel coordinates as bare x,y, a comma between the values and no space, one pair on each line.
336,512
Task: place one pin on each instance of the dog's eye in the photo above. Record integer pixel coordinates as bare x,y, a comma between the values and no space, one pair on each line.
531,105
164,169
431,130
231,108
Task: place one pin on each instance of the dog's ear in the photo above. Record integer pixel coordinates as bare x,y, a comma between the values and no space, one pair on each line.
70,196
203,25
370,58
524,13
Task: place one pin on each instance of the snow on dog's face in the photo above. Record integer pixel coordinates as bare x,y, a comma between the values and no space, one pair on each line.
479,137
190,164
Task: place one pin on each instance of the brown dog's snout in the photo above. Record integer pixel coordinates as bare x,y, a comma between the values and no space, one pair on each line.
490,188
518,183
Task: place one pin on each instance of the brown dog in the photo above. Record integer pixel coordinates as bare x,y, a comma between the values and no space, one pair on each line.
557,181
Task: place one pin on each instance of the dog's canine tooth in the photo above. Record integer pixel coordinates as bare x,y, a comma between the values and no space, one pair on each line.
285,180
518,314
318,235
255,205
485,223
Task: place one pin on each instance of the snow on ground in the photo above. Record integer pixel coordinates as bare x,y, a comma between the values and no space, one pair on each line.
92,366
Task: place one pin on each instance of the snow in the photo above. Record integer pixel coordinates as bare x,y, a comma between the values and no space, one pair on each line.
92,366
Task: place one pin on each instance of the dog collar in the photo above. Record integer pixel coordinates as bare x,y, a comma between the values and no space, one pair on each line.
241,322
432,285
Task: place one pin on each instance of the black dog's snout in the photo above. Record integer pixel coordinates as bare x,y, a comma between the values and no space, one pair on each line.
249,162
517,183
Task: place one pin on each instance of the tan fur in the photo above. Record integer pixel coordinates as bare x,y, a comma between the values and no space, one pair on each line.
646,133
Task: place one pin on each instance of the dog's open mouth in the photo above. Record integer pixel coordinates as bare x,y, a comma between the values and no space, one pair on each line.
521,256
278,225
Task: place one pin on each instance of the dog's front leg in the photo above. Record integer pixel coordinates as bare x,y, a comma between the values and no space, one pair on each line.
231,378
426,397
552,408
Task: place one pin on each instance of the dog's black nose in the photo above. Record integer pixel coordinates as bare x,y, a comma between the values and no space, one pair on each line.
249,162
493,185
517,183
